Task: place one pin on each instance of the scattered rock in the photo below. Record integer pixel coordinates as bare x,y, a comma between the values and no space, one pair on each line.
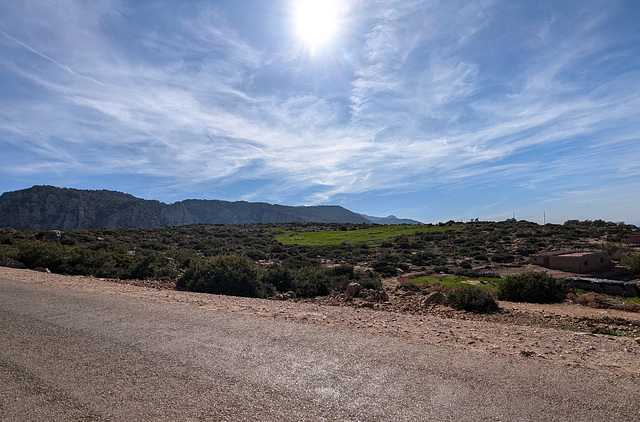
434,298
378,296
353,290
11,263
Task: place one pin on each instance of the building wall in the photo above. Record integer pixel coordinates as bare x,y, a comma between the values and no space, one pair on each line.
577,262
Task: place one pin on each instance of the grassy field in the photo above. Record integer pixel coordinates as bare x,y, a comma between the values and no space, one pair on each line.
486,283
373,236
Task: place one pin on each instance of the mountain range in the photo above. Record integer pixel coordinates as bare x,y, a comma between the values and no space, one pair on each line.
50,207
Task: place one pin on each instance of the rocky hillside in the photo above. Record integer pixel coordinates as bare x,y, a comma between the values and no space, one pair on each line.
48,207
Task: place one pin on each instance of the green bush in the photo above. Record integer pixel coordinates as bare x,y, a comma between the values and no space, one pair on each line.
503,257
535,287
279,276
311,282
233,275
472,300
632,262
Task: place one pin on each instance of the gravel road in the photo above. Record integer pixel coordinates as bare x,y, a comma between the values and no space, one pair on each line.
74,351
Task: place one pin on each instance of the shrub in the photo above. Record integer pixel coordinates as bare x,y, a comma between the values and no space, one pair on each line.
234,275
279,276
472,300
503,257
311,282
632,262
535,287
368,279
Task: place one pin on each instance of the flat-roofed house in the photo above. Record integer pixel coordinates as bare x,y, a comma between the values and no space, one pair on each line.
585,261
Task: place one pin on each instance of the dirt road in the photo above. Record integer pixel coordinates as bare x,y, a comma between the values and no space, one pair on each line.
85,349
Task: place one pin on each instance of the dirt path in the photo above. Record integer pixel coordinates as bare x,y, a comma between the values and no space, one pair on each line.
510,333
77,348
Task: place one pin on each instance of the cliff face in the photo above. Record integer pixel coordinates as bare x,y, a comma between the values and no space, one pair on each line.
48,207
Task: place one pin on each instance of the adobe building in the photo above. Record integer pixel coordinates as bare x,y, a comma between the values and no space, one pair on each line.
585,261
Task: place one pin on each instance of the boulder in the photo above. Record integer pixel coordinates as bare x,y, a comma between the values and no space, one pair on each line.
434,298
353,290
54,235
11,263
378,296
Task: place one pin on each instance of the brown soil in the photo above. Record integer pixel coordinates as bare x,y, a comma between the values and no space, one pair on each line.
556,333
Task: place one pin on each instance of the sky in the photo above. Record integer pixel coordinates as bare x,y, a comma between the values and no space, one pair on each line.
430,110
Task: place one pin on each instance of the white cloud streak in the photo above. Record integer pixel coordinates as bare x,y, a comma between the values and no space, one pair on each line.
422,109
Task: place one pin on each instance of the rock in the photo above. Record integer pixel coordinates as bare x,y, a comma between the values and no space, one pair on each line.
11,263
54,235
42,269
434,298
637,339
353,290
286,296
378,296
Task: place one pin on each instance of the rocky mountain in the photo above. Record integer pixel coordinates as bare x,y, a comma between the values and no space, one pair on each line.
49,207
392,219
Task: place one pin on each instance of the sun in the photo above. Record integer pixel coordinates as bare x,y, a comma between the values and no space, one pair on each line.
316,21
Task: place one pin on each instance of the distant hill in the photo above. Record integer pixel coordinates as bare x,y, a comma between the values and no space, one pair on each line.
392,219
49,207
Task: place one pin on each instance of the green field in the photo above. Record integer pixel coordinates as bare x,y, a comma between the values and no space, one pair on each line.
486,283
373,236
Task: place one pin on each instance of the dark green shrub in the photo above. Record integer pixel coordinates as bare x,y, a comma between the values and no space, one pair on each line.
472,300
368,279
311,282
422,258
465,265
40,254
503,257
535,287
234,275
480,256
279,276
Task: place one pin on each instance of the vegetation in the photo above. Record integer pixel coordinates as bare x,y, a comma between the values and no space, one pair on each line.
459,281
632,261
235,275
310,258
535,287
472,300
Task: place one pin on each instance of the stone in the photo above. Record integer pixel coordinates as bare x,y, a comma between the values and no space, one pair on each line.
11,263
54,235
434,298
353,290
378,296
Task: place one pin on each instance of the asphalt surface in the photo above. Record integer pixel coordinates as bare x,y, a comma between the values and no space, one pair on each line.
79,355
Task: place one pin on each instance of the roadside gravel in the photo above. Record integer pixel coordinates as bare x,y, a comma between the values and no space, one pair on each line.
437,325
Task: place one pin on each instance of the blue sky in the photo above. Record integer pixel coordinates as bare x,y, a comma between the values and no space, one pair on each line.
432,110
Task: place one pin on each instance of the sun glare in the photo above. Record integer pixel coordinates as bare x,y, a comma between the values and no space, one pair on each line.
316,21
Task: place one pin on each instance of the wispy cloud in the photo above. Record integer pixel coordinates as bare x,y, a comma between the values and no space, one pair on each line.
414,96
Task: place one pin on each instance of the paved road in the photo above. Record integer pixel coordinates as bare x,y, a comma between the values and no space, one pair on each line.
79,355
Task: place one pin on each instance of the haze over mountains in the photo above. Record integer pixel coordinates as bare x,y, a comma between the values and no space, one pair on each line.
49,207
